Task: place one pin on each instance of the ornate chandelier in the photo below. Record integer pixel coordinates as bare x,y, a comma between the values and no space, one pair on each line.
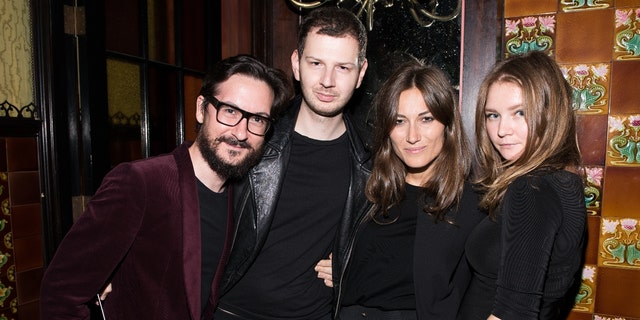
424,14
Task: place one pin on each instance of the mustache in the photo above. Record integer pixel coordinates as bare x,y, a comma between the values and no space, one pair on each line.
233,141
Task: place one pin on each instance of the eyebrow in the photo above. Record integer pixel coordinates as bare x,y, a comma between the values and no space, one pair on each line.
338,63
262,114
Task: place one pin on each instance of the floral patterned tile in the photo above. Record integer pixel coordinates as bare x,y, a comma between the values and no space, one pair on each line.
587,293
627,34
526,34
607,317
582,5
590,83
623,147
619,243
593,189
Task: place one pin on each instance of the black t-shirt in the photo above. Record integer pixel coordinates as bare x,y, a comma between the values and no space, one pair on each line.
282,282
381,270
213,228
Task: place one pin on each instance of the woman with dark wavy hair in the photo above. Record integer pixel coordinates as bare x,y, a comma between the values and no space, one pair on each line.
406,261
527,255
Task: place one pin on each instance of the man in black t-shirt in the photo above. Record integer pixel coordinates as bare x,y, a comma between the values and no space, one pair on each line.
300,202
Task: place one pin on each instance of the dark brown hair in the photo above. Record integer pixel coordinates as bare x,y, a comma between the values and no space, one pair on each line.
385,187
248,66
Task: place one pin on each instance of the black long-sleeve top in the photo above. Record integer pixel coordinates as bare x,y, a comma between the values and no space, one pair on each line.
414,263
527,263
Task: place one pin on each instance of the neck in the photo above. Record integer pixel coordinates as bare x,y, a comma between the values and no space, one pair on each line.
319,127
203,171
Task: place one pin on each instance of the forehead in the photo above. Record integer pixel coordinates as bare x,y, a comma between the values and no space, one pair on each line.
412,102
321,46
504,94
246,93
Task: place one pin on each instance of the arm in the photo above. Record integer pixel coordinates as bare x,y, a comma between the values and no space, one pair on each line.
95,245
531,217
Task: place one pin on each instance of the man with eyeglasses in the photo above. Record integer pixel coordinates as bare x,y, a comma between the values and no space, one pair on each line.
159,230
301,201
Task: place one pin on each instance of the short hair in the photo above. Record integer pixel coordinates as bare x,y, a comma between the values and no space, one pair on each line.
335,22
385,187
552,139
248,66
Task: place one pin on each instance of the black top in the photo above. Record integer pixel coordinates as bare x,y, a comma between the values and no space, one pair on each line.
282,282
429,273
527,264
213,230
384,252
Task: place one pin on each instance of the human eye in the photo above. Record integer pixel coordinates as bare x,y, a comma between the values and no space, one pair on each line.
345,68
259,120
314,63
228,110
399,122
491,115
427,119
520,113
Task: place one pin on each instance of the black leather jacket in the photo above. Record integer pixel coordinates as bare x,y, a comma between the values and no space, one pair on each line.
254,210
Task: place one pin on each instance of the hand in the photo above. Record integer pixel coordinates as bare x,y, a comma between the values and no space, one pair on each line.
105,292
325,272
492,317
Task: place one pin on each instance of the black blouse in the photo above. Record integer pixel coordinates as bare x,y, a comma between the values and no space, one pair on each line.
414,263
527,264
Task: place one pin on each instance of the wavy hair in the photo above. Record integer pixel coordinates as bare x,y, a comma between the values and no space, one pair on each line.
551,141
385,188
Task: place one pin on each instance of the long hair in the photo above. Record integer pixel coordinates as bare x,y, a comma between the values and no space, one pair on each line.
251,67
385,187
551,141
335,22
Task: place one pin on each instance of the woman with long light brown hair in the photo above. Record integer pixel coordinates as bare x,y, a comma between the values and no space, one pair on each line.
527,255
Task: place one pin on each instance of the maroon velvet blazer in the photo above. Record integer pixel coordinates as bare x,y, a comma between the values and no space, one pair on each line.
141,232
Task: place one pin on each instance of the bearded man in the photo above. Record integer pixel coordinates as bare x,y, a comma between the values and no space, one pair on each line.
158,230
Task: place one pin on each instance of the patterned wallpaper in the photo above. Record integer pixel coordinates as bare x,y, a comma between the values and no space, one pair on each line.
597,45
16,67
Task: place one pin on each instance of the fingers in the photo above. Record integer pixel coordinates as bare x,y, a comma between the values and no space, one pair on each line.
324,270
105,292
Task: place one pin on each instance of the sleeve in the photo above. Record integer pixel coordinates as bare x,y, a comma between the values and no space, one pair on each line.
531,217
94,246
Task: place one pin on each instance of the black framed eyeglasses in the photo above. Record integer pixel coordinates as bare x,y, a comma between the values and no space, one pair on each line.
231,116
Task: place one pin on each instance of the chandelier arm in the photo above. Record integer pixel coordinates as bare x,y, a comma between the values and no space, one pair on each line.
434,16
419,21
309,5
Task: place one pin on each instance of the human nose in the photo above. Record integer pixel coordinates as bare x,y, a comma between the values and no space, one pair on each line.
413,134
505,127
241,130
328,78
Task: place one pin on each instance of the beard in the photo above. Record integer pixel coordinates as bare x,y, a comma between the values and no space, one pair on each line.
209,150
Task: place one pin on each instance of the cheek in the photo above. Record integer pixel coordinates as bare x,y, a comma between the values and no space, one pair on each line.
523,131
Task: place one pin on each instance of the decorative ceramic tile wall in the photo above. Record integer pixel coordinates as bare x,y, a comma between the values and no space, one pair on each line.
20,229
597,45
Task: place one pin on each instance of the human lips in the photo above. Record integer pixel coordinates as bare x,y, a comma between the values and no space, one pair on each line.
234,143
325,97
414,149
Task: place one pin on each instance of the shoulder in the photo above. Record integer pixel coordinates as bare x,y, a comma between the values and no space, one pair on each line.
468,211
546,182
